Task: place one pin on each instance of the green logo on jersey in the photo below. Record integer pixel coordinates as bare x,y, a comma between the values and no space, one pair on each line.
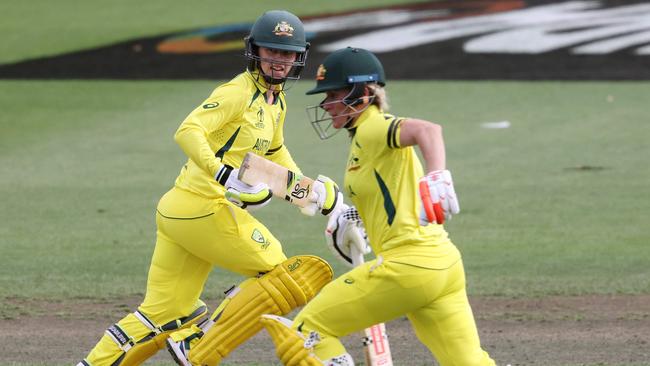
260,115
262,145
349,281
260,118
353,163
210,105
258,237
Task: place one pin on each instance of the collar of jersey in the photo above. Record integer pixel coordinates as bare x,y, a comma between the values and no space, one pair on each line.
255,76
365,115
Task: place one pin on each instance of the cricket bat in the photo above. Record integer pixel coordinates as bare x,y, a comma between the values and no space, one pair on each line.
285,184
375,342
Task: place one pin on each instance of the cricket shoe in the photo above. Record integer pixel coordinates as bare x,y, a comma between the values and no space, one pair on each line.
180,351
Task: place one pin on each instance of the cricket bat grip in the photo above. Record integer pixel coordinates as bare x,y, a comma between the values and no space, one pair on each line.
356,248
311,208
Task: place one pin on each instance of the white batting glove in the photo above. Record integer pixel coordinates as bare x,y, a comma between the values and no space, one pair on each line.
326,197
345,230
240,193
438,197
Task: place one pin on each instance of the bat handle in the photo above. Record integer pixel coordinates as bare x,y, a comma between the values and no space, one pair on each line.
355,250
310,209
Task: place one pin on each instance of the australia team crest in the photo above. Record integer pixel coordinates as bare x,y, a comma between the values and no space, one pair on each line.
283,29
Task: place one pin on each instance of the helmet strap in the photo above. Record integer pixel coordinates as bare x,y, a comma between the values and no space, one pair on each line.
350,123
357,101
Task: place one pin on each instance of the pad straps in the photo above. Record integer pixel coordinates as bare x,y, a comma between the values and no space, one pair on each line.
172,325
119,336
125,341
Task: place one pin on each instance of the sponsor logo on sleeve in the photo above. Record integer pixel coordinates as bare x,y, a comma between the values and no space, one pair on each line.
211,105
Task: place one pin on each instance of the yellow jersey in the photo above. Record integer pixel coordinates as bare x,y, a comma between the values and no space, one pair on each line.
381,180
232,121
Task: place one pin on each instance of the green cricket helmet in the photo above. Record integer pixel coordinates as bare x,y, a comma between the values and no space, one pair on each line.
279,30
348,68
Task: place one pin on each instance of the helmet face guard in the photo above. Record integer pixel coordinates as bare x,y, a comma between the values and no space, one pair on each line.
255,60
322,122
345,69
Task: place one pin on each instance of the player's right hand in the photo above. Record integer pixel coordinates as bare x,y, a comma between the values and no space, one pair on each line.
240,193
345,230
437,197
328,197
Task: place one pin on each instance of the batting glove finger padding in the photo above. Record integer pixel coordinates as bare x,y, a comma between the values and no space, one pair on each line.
327,194
240,193
344,231
437,197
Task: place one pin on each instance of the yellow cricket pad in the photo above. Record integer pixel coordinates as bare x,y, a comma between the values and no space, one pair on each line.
107,352
289,344
290,284
145,350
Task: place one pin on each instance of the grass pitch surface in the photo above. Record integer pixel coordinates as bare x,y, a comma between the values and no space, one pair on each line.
554,204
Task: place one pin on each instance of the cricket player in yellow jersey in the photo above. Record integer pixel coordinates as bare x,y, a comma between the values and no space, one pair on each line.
204,220
418,272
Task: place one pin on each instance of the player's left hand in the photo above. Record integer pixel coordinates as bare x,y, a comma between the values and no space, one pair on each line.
438,197
241,194
345,230
326,198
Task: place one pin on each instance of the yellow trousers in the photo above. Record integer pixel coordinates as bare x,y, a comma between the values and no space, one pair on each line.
193,235
413,281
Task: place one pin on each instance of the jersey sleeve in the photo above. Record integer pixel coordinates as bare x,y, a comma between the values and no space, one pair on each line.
393,132
382,134
223,106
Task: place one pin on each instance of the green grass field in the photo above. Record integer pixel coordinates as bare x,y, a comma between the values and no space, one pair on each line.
556,204
84,163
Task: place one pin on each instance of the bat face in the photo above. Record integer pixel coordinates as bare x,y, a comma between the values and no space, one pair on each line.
285,184
377,347
298,186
